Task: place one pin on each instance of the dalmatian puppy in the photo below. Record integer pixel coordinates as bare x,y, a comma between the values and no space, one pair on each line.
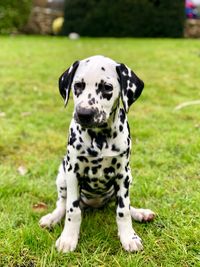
96,166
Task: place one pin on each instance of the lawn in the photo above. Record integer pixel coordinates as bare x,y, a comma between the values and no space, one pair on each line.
165,154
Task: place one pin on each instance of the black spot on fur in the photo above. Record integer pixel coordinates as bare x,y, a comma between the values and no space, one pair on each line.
95,169
118,165
107,177
103,68
72,137
86,170
91,101
128,129
122,116
121,214
127,152
120,128
64,166
114,134
76,167
94,180
109,170
96,161
107,96
70,168
71,209
75,203
126,194
92,152
82,159
114,160
120,176
114,148
126,182
121,202
78,147
99,138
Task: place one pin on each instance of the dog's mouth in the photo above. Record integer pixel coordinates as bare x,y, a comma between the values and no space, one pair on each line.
90,124
90,118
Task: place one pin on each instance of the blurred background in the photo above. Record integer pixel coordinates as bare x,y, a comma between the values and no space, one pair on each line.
119,18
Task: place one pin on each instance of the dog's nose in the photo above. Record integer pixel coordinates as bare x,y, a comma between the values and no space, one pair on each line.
85,116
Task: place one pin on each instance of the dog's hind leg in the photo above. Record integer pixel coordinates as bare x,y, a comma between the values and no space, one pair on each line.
142,215
53,218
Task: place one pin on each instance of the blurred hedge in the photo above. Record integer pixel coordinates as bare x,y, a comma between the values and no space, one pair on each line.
119,18
13,15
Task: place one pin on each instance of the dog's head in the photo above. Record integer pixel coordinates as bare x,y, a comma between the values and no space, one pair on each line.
98,83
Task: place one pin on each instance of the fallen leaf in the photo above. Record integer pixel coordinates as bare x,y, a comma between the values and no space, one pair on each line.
39,207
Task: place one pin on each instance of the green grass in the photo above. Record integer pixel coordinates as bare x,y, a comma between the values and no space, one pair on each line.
165,155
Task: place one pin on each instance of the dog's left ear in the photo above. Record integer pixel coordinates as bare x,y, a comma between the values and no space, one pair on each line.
131,85
65,81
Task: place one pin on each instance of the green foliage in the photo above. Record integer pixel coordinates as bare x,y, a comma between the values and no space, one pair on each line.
165,159
13,15
122,18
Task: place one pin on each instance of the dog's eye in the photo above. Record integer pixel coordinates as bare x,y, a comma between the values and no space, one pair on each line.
108,87
79,85
78,88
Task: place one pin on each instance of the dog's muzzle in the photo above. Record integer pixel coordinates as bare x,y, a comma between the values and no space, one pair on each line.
85,116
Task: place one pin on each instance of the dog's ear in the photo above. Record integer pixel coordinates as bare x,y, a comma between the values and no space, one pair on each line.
65,81
131,85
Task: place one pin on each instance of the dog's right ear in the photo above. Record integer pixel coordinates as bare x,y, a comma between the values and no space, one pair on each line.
65,81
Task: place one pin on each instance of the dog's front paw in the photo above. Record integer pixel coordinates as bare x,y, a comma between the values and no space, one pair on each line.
131,243
142,215
66,242
48,221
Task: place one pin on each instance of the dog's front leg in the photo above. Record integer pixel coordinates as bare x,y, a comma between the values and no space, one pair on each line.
69,237
129,239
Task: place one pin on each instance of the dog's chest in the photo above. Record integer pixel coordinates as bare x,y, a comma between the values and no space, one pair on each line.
96,179
97,173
